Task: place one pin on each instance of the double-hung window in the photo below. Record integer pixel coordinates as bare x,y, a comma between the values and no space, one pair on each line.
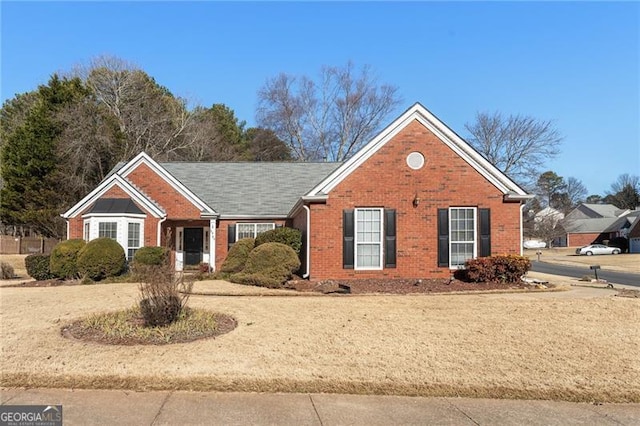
133,239
108,230
462,235
368,238
251,230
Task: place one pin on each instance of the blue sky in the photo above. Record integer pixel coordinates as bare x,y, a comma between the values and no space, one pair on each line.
576,63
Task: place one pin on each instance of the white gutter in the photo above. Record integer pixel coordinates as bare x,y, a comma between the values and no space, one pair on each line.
306,274
160,230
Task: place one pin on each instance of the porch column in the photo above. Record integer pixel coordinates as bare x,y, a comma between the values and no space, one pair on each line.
212,244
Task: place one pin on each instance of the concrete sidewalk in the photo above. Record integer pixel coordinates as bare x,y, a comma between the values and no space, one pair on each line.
107,407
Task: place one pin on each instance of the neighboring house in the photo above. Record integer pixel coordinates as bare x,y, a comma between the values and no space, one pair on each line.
414,202
597,223
634,236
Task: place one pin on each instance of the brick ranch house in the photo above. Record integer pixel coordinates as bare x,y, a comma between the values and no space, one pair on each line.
414,202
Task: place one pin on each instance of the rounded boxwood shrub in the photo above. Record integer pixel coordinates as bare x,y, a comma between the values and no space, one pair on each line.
64,258
101,258
37,266
238,255
151,256
269,265
289,236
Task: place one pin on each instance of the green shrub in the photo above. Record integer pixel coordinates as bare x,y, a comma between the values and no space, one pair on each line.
289,236
6,271
151,256
238,255
505,268
269,265
37,266
64,258
101,258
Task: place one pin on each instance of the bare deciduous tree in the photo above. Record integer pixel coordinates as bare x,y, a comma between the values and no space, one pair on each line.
330,119
148,115
625,191
517,145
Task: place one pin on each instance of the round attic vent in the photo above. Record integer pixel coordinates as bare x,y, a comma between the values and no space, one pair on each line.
415,160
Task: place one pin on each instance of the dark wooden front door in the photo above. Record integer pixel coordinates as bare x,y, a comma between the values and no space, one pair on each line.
192,246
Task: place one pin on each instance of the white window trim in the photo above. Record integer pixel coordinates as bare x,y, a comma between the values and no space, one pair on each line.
122,236
355,241
475,234
140,240
255,227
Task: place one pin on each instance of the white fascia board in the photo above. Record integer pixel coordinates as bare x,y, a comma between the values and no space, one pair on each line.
128,215
168,177
438,128
105,186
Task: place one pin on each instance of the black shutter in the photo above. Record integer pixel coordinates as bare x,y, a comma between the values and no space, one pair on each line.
347,239
231,236
485,232
389,238
443,237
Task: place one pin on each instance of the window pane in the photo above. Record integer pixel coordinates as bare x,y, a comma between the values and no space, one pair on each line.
108,230
368,255
368,238
133,239
245,230
263,227
462,236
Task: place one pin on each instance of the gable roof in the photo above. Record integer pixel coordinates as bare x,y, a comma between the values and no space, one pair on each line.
590,226
106,185
509,188
245,189
604,210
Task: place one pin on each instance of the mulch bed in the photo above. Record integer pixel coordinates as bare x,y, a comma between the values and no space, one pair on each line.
44,283
399,286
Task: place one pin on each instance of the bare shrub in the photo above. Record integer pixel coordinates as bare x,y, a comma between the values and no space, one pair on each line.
163,293
6,271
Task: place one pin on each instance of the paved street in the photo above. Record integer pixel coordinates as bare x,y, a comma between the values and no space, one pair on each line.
615,277
110,407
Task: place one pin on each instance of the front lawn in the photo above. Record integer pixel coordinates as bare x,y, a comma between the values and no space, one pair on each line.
538,346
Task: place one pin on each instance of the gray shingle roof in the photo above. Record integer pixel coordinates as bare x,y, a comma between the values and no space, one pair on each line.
604,210
250,189
582,226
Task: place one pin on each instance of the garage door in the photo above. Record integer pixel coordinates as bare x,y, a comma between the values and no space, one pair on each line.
634,245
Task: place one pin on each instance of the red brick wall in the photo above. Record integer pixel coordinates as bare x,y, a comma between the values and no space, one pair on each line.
385,180
160,191
579,240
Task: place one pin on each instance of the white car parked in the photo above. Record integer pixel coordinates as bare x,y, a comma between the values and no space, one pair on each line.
534,244
597,249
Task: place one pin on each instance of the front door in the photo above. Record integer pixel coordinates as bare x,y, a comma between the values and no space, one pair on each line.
192,246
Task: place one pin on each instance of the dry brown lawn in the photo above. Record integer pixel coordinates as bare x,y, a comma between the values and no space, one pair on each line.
540,346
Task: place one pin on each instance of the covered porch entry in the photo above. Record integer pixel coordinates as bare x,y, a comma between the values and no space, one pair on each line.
194,243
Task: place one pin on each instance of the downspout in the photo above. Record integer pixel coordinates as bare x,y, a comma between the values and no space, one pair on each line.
308,254
521,230
160,230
